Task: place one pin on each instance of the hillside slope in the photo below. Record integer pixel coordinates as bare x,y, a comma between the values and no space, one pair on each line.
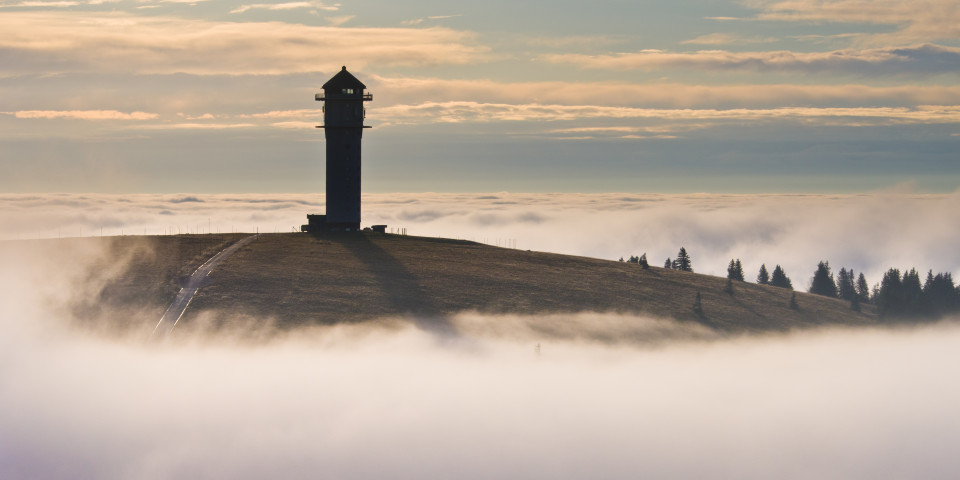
299,279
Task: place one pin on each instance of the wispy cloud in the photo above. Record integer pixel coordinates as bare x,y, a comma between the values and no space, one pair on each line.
286,6
927,58
40,4
302,113
339,20
81,41
193,126
465,111
418,21
413,90
726,39
82,115
920,20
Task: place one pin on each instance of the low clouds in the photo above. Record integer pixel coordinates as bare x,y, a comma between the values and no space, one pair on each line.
868,233
559,396
925,58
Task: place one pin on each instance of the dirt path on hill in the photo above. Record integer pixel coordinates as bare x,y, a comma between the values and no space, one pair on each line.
179,305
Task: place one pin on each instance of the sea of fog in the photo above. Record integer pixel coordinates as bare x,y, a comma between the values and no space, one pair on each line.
867,232
493,397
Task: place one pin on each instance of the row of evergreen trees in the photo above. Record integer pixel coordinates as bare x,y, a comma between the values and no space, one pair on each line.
779,277
682,262
896,296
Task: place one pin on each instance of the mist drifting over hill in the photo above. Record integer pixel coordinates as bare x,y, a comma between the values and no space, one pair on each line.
386,399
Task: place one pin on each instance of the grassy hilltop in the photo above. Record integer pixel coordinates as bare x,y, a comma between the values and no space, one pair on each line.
301,279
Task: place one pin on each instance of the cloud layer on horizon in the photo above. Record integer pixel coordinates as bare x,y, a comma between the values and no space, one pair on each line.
868,233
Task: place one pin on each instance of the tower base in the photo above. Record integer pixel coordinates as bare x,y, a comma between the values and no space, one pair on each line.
319,223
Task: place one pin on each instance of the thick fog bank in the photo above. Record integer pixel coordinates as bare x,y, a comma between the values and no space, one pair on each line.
394,401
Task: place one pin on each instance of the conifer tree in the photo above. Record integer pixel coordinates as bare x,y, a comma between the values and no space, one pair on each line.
643,261
823,283
863,289
682,262
890,298
763,278
780,279
912,293
668,263
735,270
697,307
845,286
940,296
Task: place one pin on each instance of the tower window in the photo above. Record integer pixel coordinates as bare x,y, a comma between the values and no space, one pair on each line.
347,91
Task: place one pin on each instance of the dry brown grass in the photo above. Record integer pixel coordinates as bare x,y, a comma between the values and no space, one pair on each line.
299,279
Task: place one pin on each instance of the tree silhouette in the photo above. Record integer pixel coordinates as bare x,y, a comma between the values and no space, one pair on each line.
763,278
863,289
903,297
643,261
845,285
890,299
912,293
735,270
823,283
682,262
780,279
940,296
668,263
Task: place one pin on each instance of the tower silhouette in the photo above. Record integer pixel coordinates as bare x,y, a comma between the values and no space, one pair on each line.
343,114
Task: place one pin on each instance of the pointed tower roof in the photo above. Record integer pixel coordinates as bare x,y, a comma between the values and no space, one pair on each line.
343,79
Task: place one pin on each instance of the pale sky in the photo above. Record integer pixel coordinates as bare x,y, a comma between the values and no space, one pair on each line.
540,96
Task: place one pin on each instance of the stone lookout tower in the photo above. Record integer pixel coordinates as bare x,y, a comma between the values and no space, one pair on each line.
343,114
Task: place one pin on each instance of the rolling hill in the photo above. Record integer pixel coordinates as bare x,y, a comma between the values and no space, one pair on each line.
298,279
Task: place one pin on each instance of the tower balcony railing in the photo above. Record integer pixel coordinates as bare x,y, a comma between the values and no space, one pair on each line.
345,96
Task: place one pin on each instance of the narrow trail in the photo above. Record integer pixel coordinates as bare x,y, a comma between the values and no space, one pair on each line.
179,305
